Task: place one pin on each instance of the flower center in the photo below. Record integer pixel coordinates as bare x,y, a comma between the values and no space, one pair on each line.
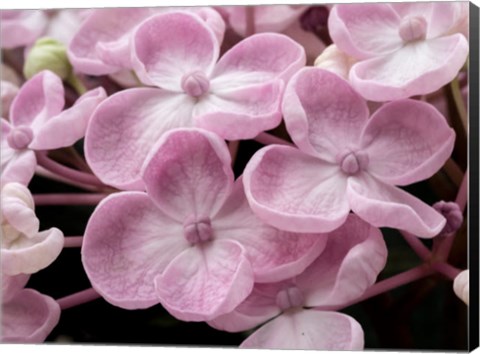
195,83
20,137
352,162
413,28
289,298
197,230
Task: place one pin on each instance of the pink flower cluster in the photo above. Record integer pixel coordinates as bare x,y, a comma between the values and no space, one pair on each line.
295,237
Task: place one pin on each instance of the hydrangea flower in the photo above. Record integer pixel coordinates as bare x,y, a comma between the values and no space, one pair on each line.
347,161
191,241
19,28
23,248
237,97
112,30
36,117
299,308
403,49
27,315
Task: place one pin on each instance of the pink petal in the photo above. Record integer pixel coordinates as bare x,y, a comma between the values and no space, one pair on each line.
128,242
275,255
241,113
323,114
418,68
407,141
12,285
354,256
111,29
295,192
29,317
124,128
64,24
383,205
310,42
21,254
18,208
205,281
257,59
168,46
71,122
188,174
19,28
39,98
336,61
308,329
365,30
257,308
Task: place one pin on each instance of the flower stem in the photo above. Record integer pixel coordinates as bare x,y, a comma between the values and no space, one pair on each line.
446,269
388,284
233,148
79,298
39,170
66,172
459,104
73,241
418,247
68,199
268,139
250,20
76,84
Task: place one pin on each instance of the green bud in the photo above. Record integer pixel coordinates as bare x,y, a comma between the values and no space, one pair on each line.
47,54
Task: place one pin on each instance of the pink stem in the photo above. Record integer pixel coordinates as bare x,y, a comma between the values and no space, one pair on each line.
418,247
68,199
233,148
446,269
388,284
72,241
446,244
250,20
47,174
268,139
66,172
79,298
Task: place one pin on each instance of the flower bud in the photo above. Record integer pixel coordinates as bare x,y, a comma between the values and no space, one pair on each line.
47,54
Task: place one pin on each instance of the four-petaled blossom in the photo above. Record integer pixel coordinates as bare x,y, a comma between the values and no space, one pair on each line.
354,256
23,248
237,98
191,241
112,29
347,161
403,49
27,315
36,118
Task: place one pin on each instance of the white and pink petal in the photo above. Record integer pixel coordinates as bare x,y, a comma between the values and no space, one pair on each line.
128,242
188,174
294,191
308,330
383,205
124,128
323,114
29,317
406,141
205,281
